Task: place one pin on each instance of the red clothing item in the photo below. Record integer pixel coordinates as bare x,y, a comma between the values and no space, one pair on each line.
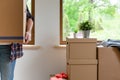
61,76
55,78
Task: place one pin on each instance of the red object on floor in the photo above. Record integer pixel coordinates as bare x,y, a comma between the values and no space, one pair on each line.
55,78
60,76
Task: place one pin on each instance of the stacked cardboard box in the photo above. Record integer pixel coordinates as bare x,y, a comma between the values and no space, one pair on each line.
81,59
109,63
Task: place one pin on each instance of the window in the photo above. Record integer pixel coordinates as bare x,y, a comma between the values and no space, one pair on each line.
104,13
31,6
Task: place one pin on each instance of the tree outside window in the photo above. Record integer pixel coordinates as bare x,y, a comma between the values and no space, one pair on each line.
29,4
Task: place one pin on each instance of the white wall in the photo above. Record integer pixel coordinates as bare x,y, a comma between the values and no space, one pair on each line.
39,64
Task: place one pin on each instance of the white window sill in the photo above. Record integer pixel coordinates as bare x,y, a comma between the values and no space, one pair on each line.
60,46
31,47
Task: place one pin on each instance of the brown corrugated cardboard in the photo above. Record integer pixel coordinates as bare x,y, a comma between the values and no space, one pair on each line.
109,63
12,20
82,69
81,48
81,40
82,61
82,72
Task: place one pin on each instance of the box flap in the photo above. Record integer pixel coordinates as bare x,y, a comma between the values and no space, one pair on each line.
82,61
81,40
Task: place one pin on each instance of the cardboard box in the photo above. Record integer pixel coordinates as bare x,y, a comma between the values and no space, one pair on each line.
12,20
82,69
84,48
109,63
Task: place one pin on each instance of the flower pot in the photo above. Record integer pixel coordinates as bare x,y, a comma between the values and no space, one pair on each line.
86,33
75,35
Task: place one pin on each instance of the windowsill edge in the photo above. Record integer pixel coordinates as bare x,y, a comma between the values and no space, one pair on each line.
60,46
31,47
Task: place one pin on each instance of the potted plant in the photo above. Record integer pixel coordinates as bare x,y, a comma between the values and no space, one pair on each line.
86,26
75,33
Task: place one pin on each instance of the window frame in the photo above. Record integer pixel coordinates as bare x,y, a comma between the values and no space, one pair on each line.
61,22
61,25
62,42
32,42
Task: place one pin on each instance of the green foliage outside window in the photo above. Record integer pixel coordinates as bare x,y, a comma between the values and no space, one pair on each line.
105,14
29,4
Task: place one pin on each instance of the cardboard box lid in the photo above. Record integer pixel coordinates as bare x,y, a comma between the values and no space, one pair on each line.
82,61
81,40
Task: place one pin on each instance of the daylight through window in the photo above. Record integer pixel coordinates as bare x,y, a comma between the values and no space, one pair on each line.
105,14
